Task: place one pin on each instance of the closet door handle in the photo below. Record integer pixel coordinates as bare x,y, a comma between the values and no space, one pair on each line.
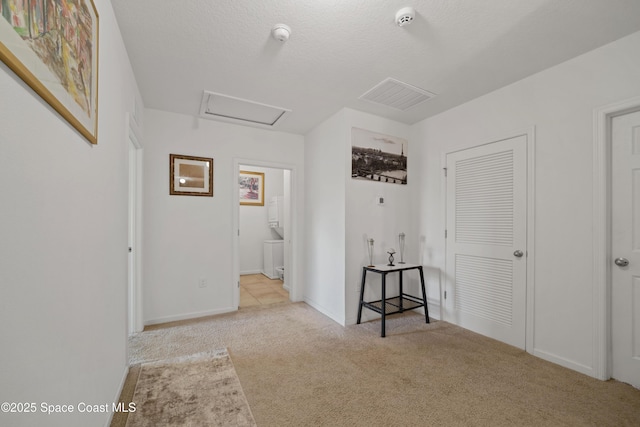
518,253
621,262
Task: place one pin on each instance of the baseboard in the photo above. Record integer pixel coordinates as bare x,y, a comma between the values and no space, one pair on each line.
116,399
244,273
324,311
270,277
188,316
570,364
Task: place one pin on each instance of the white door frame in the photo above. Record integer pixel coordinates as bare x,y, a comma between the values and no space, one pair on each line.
530,285
602,232
295,288
134,291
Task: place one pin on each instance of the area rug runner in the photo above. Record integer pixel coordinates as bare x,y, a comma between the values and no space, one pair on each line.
198,390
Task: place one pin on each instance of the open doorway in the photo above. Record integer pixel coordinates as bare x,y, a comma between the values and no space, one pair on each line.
264,193
134,274
264,255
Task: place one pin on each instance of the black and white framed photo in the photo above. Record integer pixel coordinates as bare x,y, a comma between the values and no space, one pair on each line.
378,157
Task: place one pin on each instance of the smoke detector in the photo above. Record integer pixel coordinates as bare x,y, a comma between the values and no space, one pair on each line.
405,16
281,32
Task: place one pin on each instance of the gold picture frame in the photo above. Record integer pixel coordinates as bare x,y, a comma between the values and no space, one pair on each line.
190,175
251,186
53,48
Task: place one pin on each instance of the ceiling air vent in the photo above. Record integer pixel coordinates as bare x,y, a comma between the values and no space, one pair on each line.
216,106
395,94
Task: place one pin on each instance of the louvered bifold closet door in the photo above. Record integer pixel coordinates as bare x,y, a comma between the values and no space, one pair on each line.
486,225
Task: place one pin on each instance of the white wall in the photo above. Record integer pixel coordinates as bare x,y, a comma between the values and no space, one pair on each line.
366,219
188,238
325,177
287,231
559,102
254,222
63,245
342,215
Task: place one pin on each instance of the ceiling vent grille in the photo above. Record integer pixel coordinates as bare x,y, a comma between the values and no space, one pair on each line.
216,106
395,94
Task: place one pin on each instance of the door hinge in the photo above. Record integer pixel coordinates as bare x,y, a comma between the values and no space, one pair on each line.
445,171
238,283
445,294
238,231
445,234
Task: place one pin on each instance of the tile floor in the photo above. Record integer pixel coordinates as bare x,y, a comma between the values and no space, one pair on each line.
257,289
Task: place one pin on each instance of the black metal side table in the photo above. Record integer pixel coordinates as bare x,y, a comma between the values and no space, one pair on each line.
399,304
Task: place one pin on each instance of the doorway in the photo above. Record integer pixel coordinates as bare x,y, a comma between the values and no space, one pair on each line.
134,273
625,248
264,193
615,285
260,242
488,239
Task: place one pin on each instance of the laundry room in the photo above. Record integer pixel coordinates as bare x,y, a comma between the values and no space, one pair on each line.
264,201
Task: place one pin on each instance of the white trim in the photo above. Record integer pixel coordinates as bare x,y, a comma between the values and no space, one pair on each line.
443,279
295,285
187,316
135,310
601,233
567,363
531,221
116,399
530,135
132,224
244,273
336,318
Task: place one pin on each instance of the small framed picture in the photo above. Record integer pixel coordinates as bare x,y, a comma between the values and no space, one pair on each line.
190,175
251,188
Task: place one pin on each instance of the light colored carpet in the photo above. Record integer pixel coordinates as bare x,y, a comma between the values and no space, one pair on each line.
198,390
299,368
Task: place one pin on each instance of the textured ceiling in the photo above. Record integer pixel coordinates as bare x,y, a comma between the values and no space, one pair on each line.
339,49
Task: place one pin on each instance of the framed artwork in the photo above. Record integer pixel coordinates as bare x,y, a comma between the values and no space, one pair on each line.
53,46
378,157
251,188
190,176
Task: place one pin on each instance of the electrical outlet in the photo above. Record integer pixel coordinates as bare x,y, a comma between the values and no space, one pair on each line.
202,283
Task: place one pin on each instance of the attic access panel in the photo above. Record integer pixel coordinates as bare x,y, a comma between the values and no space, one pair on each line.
216,106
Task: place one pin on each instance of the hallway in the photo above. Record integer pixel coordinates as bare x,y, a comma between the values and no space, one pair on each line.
258,289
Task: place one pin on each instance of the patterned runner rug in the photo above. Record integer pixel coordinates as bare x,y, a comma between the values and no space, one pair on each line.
198,390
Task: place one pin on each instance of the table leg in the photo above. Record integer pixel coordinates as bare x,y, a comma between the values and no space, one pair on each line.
424,294
401,291
383,303
364,275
